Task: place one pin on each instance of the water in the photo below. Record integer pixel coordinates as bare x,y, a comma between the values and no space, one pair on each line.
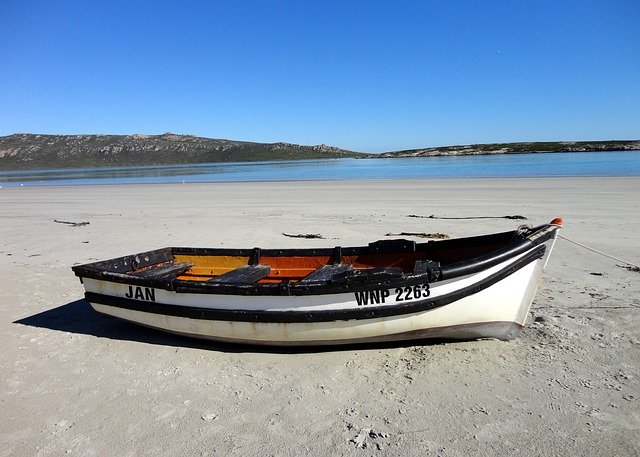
626,163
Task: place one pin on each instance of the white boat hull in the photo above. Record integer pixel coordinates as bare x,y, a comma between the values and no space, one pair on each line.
498,310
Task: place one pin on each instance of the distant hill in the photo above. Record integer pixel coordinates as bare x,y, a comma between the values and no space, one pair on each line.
516,148
32,151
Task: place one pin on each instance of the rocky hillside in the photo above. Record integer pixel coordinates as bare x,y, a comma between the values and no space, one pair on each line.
517,148
30,151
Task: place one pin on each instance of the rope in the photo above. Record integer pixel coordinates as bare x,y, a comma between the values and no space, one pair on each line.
596,251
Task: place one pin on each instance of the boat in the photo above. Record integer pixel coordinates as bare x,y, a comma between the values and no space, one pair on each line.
389,290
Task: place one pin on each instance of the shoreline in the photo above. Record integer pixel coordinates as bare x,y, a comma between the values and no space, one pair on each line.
432,180
80,382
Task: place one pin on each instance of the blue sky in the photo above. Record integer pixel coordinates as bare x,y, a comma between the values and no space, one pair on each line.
363,75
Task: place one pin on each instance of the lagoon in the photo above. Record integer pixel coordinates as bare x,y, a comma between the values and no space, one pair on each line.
570,164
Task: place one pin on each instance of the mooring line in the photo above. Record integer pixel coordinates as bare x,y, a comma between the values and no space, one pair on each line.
597,252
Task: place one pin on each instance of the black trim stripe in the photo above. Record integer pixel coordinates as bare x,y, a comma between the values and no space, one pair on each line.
315,316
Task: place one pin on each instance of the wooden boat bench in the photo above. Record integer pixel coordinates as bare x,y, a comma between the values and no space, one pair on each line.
327,272
428,267
245,274
346,273
169,270
370,275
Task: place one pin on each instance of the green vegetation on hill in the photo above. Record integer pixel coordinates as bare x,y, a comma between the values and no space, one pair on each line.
31,151
517,148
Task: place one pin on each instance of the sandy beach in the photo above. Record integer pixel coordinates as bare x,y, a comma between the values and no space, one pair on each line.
79,383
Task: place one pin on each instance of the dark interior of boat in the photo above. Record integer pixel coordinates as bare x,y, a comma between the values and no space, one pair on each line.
386,258
317,265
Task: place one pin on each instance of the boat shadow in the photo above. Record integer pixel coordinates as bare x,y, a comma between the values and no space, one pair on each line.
79,317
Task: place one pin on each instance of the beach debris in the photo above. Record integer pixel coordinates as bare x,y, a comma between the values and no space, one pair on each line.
633,268
209,417
360,439
305,235
433,216
480,409
438,236
72,224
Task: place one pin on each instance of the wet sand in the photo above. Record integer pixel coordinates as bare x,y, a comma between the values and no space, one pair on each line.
81,383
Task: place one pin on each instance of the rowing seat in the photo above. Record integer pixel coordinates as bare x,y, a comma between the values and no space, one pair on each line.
327,272
431,268
425,266
169,270
368,275
245,274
